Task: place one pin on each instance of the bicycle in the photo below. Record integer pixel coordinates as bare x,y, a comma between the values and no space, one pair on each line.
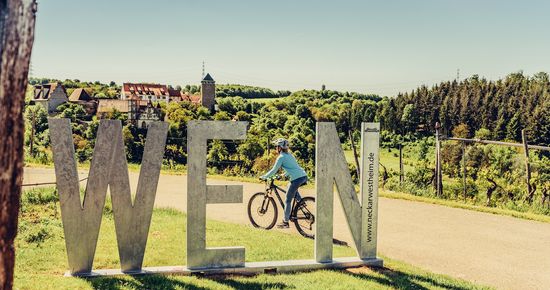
263,211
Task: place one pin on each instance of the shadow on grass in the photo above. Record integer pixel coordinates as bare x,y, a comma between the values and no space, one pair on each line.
402,280
382,276
167,282
249,284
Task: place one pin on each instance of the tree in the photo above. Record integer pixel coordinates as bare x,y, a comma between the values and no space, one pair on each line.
218,152
409,119
17,19
222,116
483,134
36,118
72,111
461,131
513,129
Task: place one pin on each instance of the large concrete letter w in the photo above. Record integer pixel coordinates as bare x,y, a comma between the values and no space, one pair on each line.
81,220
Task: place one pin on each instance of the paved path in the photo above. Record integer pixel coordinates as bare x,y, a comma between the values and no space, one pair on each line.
492,250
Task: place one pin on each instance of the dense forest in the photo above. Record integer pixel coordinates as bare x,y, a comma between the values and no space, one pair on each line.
504,107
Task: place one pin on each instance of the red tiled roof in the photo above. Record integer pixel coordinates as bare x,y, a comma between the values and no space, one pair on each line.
191,98
145,89
195,99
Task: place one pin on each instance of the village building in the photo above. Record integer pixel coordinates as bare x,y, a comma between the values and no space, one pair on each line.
140,113
50,96
162,93
81,97
141,101
148,92
145,116
106,107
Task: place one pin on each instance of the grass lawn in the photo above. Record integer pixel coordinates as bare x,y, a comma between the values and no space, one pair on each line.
41,258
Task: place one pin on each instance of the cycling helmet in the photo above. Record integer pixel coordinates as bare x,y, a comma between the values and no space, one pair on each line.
281,142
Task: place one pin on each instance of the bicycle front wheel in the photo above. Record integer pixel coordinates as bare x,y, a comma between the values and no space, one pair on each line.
304,217
262,211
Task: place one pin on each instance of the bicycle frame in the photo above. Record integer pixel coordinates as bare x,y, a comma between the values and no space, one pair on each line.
272,187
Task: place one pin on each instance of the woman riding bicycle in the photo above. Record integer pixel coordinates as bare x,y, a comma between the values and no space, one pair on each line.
297,174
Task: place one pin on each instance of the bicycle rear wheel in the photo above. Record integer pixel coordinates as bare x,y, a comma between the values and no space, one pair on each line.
304,217
262,211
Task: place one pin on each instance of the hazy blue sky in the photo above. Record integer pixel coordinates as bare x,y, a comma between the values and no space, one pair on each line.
367,46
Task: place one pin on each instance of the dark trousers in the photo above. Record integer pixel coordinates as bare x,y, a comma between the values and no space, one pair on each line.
291,193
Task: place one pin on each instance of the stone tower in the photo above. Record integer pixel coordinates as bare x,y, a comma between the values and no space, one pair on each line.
208,92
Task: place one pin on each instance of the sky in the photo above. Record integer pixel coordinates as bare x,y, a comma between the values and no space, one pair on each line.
380,47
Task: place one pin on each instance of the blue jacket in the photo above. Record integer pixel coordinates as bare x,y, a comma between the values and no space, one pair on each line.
289,165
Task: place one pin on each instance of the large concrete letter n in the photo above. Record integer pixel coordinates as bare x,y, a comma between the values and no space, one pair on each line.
332,168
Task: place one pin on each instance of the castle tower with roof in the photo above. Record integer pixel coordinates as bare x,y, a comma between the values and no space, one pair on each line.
208,92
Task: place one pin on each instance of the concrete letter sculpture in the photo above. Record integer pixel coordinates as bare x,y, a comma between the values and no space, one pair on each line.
81,221
199,194
332,168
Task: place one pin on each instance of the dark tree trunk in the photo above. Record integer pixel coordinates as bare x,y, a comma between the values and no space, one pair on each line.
384,175
17,19
490,190
545,196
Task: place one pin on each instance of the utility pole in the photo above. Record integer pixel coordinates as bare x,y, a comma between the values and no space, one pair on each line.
457,75
203,71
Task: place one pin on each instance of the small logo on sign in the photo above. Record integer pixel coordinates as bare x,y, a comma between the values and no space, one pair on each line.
371,130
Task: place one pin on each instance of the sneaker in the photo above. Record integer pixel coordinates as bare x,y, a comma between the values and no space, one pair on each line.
283,225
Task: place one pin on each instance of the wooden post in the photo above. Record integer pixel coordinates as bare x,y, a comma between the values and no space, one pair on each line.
438,175
17,18
401,173
464,168
439,169
530,193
